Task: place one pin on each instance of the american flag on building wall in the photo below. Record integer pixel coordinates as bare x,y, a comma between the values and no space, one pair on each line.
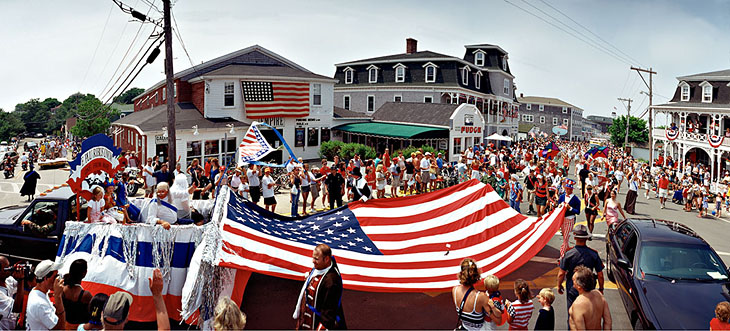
254,146
407,244
275,99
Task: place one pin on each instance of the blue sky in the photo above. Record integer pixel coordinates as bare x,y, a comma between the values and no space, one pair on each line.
53,44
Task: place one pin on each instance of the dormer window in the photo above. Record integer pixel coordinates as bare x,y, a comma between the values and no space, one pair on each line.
478,80
349,73
504,63
430,74
400,73
465,75
685,91
706,92
506,86
479,58
372,74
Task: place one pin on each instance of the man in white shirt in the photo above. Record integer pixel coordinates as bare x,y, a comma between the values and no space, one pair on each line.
9,307
469,156
235,179
425,174
254,184
41,314
267,185
149,180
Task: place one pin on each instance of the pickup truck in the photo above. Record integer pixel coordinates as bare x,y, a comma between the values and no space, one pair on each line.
19,242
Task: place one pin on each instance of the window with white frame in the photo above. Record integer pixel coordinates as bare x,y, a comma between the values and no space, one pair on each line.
527,118
529,106
541,108
542,119
164,94
555,121
400,74
707,93
372,74
428,99
506,86
465,76
478,80
565,121
479,59
504,63
349,73
397,98
316,94
174,94
371,103
229,94
565,110
346,102
685,92
430,74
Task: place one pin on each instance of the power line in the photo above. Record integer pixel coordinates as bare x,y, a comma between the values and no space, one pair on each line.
568,32
587,40
93,57
179,38
591,32
114,51
129,81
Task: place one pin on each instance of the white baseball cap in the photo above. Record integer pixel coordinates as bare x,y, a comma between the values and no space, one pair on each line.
45,267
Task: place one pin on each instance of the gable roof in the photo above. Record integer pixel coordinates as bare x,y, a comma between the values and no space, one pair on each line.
264,70
434,114
721,75
545,101
486,46
186,115
344,113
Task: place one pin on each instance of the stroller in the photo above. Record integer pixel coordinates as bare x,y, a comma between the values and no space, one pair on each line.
678,197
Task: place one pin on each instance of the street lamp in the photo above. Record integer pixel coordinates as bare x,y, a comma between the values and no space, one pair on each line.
195,133
164,131
232,131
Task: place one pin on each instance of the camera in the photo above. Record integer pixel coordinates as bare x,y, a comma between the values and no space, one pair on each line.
27,269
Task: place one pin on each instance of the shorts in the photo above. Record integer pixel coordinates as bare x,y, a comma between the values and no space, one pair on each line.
662,193
395,181
530,196
425,177
255,192
270,201
323,190
380,187
306,188
541,201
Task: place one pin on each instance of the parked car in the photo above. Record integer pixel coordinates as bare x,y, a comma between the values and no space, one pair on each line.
38,135
18,242
668,277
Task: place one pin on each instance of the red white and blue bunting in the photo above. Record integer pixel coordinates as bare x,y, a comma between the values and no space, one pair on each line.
671,134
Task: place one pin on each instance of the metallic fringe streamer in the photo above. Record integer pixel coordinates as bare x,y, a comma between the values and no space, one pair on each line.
129,242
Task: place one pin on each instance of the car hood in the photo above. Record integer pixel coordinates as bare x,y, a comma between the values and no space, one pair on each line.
682,305
8,214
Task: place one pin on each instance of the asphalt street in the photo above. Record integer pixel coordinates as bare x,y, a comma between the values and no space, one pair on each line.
267,299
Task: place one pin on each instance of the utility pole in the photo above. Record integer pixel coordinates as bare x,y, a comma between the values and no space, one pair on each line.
650,86
628,116
169,73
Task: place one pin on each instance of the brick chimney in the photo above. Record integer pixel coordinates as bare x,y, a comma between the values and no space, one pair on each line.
411,46
522,95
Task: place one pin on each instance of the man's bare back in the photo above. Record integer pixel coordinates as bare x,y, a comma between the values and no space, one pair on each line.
588,310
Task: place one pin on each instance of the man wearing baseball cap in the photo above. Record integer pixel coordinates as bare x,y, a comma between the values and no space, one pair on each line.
572,203
578,255
116,311
40,313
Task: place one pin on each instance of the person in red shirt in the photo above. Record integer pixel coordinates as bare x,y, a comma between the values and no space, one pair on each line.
663,189
722,315
386,158
324,171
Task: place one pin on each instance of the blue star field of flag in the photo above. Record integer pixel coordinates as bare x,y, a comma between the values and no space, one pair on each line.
338,228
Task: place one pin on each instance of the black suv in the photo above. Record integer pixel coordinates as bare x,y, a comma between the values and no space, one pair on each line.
668,277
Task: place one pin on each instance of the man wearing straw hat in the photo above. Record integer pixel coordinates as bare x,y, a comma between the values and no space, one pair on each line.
573,203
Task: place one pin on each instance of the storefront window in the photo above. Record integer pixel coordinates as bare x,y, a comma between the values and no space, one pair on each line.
211,147
299,137
312,137
229,153
325,134
193,152
457,146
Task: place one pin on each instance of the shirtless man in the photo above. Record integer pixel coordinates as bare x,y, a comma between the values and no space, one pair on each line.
590,306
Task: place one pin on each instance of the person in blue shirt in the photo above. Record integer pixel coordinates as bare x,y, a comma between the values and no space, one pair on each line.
572,202
515,193
440,161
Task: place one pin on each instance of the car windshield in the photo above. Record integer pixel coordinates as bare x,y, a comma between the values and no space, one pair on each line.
681,262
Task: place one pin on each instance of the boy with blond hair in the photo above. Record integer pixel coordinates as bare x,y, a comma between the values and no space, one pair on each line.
491,284
546,314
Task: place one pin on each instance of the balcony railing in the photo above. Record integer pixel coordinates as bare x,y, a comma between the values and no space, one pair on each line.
687,136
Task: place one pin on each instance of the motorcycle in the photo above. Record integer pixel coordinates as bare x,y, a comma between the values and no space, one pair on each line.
133,183
9,172
25,165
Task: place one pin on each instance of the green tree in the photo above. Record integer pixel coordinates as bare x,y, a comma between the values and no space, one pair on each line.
127,96
67,109
10,125
638,131
93,118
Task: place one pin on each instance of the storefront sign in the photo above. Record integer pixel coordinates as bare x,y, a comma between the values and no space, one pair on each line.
306,121
160,139
470,129
273,121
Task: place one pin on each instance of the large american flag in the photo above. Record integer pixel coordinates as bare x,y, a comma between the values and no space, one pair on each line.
275,99
407,244
254,146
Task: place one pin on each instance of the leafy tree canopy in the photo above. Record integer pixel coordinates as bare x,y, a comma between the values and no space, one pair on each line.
93,117
10,125
638,130
127,96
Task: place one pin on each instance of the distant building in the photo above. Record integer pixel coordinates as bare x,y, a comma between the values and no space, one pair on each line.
548,113
481,77
698,122
603,122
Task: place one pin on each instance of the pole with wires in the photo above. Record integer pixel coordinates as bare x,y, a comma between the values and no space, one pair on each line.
169,75
650,86
628,120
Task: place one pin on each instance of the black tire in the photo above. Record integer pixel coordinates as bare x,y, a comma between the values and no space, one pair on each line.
132,189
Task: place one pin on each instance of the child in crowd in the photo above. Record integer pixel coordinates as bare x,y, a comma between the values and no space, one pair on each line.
96,205
243,188
722,315
491,284
520,310
546,314
718,205
704,206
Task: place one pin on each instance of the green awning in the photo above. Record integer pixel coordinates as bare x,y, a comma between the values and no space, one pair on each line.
394,130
